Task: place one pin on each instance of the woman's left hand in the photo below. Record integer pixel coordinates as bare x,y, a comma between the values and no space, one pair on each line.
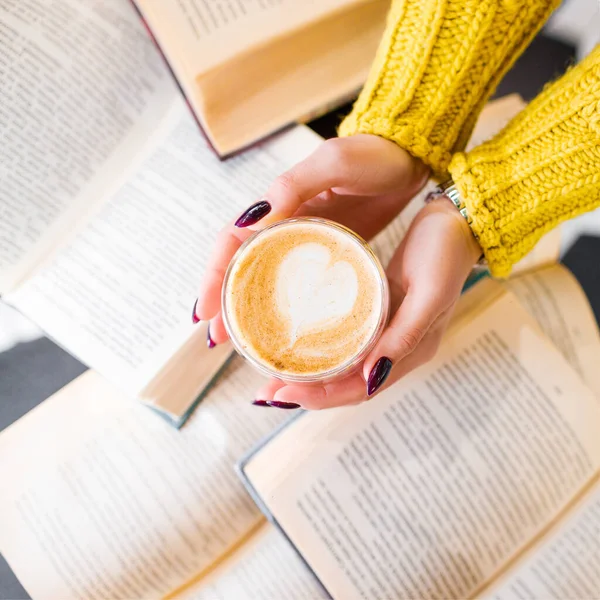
426,277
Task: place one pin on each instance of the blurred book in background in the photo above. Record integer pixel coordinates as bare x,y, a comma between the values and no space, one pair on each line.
250,68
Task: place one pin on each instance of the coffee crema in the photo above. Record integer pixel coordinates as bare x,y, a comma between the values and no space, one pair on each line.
304,297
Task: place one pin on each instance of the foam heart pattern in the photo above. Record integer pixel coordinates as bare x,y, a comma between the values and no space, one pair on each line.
313,292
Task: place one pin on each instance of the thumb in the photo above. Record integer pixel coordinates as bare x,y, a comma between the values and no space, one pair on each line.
356,165
326,167
406,330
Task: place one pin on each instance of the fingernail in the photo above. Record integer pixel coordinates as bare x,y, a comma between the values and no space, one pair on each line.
254,214
378,374
261,403
209,341
284,405
195,318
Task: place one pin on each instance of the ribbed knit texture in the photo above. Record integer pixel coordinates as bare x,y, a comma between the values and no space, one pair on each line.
541,169
437,64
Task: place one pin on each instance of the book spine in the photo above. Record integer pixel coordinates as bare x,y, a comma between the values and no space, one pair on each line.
173,75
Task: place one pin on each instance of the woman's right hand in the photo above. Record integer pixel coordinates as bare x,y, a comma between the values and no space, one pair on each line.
362,182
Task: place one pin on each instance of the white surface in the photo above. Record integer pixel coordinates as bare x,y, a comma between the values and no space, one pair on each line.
15,328
577,22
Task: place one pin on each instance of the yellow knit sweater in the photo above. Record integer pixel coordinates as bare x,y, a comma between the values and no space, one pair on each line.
542,169
438,63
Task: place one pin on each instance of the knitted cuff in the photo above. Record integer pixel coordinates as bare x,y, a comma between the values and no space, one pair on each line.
438,62
541,169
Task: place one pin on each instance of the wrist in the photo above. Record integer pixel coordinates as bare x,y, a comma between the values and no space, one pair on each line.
448,194
415,173
472,253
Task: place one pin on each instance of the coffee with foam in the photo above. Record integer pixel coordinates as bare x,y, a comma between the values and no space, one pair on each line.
304,298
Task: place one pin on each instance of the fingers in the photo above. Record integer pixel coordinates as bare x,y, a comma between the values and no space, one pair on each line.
338,393
322,170
431,266
402,337
267,392
228,242
361,164
352,390
423,354
216,330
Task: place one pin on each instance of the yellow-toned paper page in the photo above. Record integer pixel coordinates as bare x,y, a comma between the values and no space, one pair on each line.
105,500
196,35
430,488
554,298
265,567
566,562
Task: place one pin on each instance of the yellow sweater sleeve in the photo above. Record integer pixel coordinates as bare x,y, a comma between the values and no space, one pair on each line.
541,169
438,62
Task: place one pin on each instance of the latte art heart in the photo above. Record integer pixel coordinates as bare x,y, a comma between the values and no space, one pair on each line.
304,298
313,292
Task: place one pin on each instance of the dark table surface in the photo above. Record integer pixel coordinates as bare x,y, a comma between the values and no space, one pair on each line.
32,371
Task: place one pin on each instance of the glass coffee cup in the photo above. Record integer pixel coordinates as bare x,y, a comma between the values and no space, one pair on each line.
305,300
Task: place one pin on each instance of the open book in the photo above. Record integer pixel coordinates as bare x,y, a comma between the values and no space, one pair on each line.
475,475
111,199
251,67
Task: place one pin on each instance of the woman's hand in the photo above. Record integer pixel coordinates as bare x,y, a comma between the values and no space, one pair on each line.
362,182
426,276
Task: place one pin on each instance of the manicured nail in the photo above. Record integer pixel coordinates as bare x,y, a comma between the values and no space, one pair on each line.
209,341
378,374
254,214
284,405
195,318
261,403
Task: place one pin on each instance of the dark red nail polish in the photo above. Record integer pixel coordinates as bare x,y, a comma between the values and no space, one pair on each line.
195,318
254,214
261,403
284,405
379,373
209,341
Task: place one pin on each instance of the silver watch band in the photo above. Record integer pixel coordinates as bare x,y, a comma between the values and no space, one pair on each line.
449,189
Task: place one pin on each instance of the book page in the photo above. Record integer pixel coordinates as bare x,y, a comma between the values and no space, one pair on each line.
103,499
120,295
82,88
196,35
566,564
545,253
430,488
554,298
266,567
